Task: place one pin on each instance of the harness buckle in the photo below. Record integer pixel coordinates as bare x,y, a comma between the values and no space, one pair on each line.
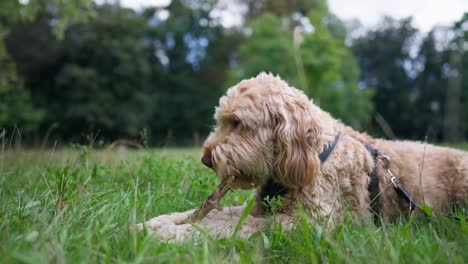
396,183
386,161
393,179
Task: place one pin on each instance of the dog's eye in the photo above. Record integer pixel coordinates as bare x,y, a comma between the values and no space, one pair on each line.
236,122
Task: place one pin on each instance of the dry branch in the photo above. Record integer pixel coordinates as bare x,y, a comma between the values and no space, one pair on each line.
213,201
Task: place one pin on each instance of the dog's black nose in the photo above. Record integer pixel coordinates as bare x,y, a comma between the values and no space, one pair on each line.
206,159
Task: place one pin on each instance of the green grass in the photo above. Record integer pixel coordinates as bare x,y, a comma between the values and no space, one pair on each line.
463,146
78,206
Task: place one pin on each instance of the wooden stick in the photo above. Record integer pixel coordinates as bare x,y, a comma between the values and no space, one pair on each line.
213,201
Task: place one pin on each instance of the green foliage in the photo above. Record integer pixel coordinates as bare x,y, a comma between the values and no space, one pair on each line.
96,77
417,91
332,71
320,64
122,72
13,12
409,88
192,53
7,73
429,90
248,208
268,48
273,203
17,110
16,106
79,206
458,46
104,79
85,67
16,11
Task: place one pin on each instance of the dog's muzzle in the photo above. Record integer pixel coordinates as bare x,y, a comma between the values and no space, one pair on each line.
207,160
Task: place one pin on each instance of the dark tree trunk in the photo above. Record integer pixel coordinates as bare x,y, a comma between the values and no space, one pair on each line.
452,132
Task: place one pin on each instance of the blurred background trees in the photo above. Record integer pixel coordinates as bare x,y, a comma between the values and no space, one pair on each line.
71,69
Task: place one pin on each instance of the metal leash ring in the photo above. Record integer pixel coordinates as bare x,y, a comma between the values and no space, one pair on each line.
386,161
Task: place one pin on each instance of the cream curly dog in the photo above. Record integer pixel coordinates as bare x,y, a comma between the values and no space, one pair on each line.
270,136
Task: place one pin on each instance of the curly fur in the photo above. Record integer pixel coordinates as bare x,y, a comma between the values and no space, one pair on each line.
269,135
270,131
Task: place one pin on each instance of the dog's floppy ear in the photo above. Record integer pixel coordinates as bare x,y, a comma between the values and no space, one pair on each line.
295,132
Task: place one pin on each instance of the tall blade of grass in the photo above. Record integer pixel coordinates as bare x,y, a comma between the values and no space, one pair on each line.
244,214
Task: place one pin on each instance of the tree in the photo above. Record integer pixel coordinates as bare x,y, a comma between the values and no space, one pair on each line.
311,57
429,89
17,111
457,90
192,54
15,101
384,60
331,70
123,71
420,95
280,8
96,79
269,48
14,12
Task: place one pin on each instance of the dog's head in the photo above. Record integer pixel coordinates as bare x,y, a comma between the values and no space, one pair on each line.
265,128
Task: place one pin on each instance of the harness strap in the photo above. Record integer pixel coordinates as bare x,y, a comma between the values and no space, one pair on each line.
329,149
274,189
373,186
408,198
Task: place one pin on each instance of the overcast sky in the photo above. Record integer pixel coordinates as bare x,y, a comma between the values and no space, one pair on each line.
426,13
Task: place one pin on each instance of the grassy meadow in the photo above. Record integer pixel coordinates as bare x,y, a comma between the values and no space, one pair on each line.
77,206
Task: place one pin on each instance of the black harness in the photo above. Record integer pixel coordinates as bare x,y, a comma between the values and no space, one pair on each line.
373,186
272,189
329,149
374,183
